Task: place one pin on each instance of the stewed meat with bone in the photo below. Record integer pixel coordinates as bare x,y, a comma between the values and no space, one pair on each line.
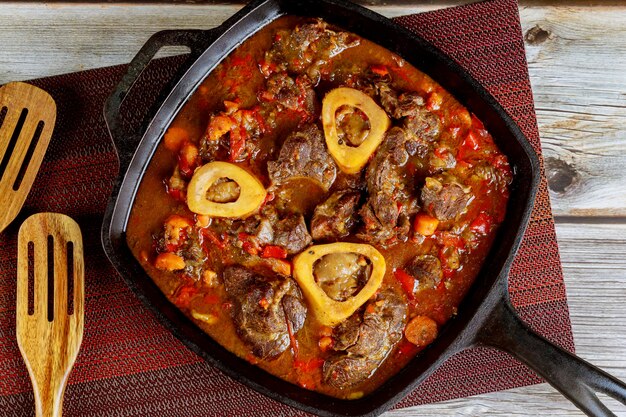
365,339
307,49
394,170
335,217
391,197
304,155
444,197
266,309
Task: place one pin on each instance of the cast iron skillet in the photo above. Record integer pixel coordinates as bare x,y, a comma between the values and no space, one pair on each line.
485,316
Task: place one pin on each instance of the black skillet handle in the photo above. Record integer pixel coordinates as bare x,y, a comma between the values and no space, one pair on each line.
573,377
125,141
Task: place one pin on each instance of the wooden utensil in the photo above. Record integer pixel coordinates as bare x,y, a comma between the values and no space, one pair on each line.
49,328
27,117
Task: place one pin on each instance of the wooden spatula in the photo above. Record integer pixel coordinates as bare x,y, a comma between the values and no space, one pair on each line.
50,304
27,117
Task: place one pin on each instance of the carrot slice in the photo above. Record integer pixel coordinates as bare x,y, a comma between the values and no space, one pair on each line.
175,137
424,224
169,262
421,331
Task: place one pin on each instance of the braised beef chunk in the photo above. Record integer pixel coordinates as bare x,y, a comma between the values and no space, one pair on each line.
304,155
214,150
335,217
424,125
261,228
291,233
232,135
390,200
444,198
184,242
418,121
343,371
293,94
346,333
379,330
267,228
262,307
308,47
426,269
398,106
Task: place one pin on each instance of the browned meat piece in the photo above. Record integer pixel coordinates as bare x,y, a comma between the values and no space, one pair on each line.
335,217
232,135
291,233
184,242
373,229
418,121
307,48
213,150
342,371
261,227
391,201
304,155
426,269
292,94
398,106
444,198
378,331
262,305
347,333
373,340
267,228
423,124
384,321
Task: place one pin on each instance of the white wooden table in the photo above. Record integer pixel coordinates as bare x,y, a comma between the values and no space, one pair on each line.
577,60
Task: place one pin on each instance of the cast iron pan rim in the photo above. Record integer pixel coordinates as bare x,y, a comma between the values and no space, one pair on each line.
483,94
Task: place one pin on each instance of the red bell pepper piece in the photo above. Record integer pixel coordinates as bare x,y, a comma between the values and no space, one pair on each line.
271,251
379,70
482,223
407,282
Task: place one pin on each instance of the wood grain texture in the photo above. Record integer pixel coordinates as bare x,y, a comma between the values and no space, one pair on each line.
24,107
576,55
577,64
49,337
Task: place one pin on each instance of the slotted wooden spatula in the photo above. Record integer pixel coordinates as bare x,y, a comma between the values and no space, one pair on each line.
27,117
50,304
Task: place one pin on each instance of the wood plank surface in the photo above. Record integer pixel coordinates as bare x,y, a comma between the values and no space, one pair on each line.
577,64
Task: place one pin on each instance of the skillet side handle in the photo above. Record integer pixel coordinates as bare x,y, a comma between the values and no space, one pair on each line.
573,377
125,141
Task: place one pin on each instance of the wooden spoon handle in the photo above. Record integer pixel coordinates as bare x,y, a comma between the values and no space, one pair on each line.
49,398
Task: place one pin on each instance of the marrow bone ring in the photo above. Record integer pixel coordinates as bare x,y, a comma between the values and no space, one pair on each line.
352,159
250,198
328,311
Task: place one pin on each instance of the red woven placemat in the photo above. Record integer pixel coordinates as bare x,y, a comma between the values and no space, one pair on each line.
130,365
